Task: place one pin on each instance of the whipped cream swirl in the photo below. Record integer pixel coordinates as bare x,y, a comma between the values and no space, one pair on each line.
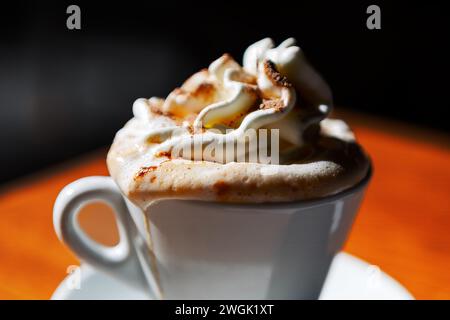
275,89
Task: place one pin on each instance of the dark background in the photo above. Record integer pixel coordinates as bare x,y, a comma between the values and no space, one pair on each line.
66,92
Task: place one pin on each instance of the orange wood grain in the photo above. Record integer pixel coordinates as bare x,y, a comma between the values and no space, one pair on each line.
403,226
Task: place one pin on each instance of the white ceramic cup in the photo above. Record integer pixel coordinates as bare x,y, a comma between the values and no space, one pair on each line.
207,250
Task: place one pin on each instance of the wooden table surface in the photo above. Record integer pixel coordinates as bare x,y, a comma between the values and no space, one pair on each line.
403,226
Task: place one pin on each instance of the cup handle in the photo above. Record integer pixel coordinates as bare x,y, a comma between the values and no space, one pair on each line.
129,259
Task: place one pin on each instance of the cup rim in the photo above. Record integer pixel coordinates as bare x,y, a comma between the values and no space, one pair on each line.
287,204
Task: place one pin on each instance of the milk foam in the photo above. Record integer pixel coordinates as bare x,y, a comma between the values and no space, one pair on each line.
275,89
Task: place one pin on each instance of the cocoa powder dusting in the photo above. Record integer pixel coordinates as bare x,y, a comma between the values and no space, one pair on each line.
156,109
272,104
272,73
221,188
143,171
205,90
154,139
166,154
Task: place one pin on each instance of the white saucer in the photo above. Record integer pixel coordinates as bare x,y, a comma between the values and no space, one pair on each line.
349,278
